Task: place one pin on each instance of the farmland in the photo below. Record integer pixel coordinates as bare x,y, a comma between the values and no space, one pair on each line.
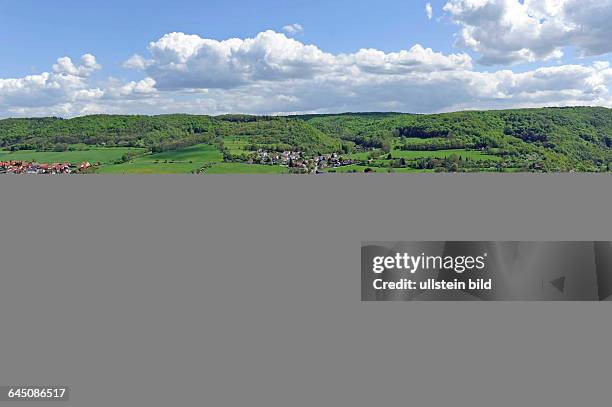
202,158
470,154
183,161
93,155
240,168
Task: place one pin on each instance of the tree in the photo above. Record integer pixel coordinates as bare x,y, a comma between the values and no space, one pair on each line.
60,147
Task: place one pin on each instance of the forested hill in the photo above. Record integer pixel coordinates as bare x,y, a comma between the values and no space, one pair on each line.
548,139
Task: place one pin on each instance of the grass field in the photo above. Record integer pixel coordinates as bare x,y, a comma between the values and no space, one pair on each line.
236,145
471,154
93,155
199,153
150,168
208,159
412,155
361,169
183,161
357,156
241,168
186,161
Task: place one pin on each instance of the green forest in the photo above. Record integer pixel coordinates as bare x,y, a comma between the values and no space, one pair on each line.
524,140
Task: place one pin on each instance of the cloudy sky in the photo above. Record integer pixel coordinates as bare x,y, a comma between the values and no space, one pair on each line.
70,58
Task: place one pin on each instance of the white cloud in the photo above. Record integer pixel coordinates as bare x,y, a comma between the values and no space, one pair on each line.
67,83
188,61
416,59
429,11
514,31
293,29
142,88
180,61
68,90
66,66
136,62
271,74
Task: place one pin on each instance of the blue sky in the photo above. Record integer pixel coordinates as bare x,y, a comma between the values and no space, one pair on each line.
114,30
469,54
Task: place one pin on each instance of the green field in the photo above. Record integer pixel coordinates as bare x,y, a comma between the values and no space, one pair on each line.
199,153
203,157
207,159
362,168
93,155
236,145
183,161
412,155
149,168
471,154
362,156
241,168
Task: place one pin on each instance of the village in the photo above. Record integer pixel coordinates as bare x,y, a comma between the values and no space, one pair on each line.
296,161
24,167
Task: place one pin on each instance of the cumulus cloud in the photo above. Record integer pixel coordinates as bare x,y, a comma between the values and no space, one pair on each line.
514,31
416,59
142,88
67,90
429,11
293,29
67,67
274,74
66,83
136,62
181,61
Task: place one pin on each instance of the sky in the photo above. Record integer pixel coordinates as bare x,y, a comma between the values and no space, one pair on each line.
69,58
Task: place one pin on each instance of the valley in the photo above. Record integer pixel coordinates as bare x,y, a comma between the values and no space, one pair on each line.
525,140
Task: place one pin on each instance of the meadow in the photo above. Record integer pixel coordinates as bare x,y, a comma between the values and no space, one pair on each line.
463,153
241,168
183,161
362,168
412,154
203,159
208,159
94,155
